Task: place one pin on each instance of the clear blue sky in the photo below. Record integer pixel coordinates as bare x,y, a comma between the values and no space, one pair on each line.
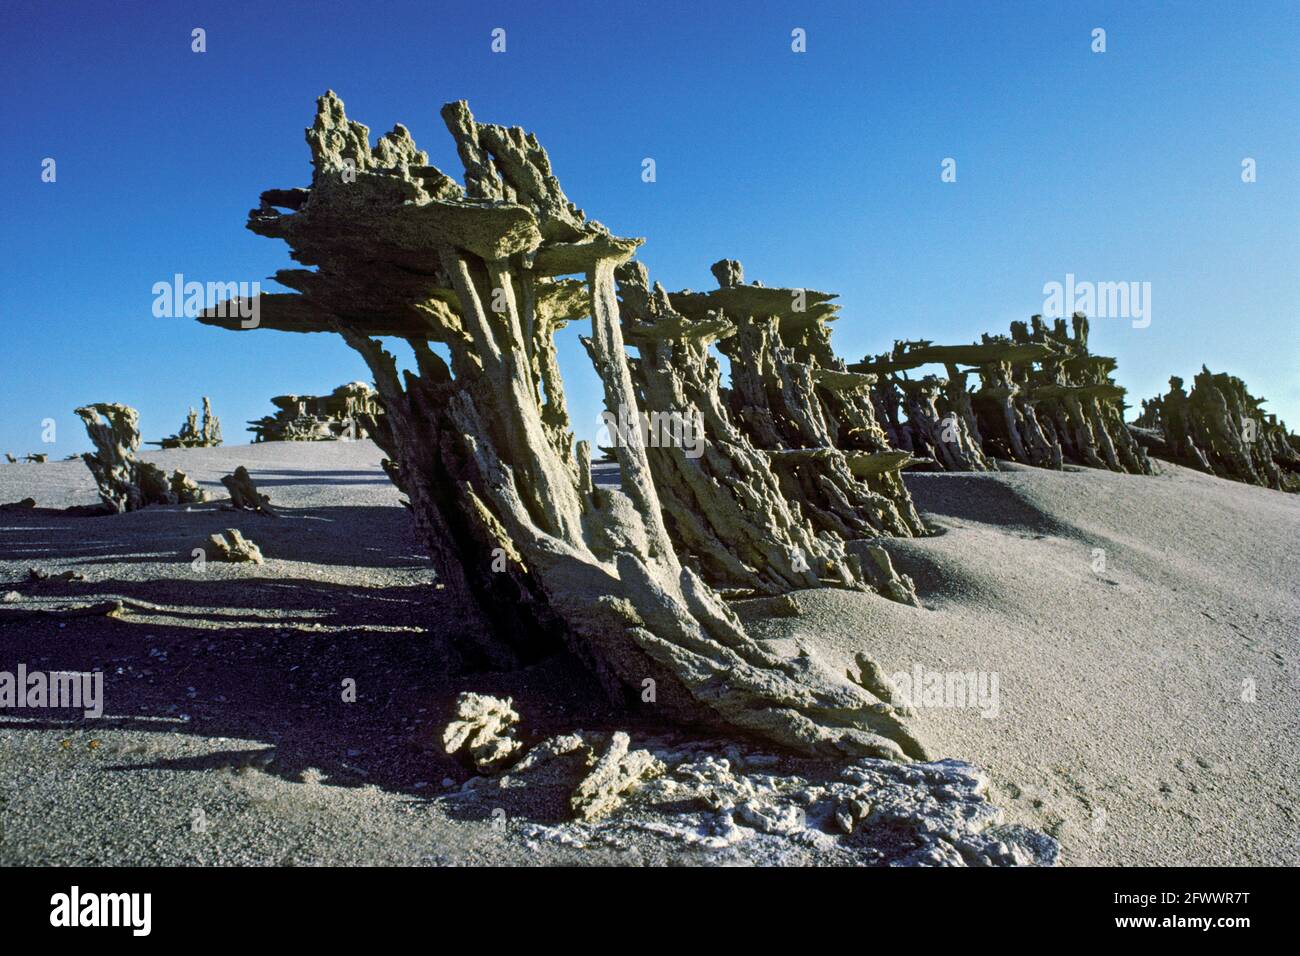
819,170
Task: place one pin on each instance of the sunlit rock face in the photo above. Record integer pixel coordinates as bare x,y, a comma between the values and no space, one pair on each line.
533,553
1220,428
1041,399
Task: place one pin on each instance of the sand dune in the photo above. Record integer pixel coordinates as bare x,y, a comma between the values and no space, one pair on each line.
1124,725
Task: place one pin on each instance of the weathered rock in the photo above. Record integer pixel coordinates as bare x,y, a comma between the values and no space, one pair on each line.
598,770
1042,400
483,731
231,546
40,574
723,504
1220,428
344,414
125,483
194,435
549,751
880,572
796,401
186,489
244,495
706,796
1072,403
530,553
780,605
947,439
617,771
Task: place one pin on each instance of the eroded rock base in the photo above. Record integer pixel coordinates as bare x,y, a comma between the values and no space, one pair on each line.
732,804
724,798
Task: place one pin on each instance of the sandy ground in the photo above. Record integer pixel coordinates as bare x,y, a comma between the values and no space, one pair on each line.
1147,710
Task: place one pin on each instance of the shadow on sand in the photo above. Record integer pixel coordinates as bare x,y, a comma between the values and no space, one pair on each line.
271,660
357,536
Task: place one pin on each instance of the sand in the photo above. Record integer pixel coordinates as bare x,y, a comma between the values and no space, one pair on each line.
1121,726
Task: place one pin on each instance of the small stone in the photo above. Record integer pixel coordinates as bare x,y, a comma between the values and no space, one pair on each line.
483,729
231,546
616,772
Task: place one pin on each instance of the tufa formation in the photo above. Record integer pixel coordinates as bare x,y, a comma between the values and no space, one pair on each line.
126,483
345,413
1040,398
194,435
1220,428
530,551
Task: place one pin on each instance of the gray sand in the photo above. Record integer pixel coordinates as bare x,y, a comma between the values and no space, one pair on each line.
1121,724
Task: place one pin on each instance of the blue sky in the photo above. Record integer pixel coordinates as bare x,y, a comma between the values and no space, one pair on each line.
818,170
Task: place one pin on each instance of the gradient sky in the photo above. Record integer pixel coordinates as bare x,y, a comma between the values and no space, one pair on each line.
818,170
